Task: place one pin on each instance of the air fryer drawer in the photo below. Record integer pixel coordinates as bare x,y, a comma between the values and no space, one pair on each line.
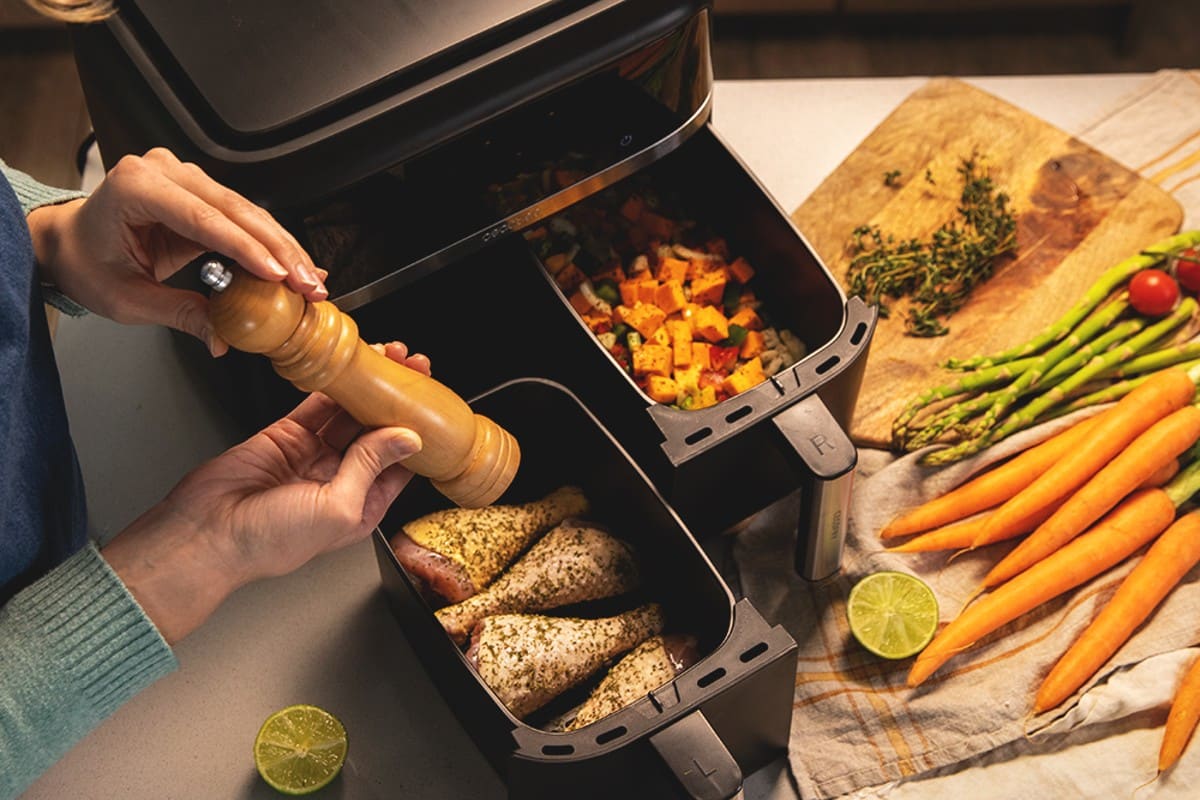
499,314
742,683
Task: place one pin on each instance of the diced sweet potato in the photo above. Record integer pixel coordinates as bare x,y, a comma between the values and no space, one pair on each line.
681,341
744,377
741,270
669,296
597,322
554,263
711,324
747,318
569,278
752,345
647,291
614,273
672,269
662,389
700,354
706,397
645,318
581,304
652,359
708,287
629,290
661,336
658,226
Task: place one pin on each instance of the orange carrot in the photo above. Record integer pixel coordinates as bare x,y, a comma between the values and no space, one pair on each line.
1163,393
961,535
1161,443
992,487
1166,562
1181,719
1138,519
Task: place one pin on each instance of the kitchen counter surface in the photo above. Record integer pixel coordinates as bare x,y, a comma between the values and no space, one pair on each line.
323,635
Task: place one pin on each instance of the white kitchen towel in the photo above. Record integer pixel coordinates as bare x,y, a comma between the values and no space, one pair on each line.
858,731
1156,133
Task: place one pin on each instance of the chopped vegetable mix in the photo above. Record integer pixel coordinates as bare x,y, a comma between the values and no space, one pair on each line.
674,308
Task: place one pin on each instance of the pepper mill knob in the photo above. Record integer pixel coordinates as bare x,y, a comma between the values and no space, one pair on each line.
468,457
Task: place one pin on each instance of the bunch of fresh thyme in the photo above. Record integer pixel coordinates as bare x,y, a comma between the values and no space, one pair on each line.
937,275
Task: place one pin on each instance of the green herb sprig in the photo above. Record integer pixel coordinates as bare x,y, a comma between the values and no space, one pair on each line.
937,275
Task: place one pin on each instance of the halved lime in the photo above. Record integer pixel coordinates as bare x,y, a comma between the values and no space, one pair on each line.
892,614
300,749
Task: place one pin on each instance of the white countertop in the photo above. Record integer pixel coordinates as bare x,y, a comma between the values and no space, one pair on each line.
323,635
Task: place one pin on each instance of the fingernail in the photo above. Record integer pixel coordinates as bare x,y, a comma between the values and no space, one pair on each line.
408,443
276,268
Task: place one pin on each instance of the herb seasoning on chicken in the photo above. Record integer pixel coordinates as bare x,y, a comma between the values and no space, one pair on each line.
458,552
570,564
653,663
528,659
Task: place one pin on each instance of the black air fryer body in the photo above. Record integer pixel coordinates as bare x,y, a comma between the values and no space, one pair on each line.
378,132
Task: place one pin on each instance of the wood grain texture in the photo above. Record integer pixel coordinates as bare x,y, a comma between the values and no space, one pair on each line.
1078,213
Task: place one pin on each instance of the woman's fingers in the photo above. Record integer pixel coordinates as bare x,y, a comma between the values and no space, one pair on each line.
303,274
369,457
156,195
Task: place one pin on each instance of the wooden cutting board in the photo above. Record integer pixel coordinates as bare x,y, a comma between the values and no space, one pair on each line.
1078,213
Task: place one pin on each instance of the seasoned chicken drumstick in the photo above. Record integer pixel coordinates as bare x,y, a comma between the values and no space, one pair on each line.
528,659
648,666
570,564
458,552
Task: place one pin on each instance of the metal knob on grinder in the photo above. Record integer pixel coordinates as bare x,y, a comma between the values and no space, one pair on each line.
469,458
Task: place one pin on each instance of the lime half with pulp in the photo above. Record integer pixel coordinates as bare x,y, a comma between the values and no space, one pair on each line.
892,614
300,749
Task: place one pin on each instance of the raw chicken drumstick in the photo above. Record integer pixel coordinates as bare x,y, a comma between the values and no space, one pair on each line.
458,552
528,659
648,666
570,564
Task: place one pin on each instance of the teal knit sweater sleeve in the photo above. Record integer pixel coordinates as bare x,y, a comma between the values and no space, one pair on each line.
31,195
74,646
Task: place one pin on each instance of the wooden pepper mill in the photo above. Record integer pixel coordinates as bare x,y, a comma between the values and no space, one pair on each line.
468,457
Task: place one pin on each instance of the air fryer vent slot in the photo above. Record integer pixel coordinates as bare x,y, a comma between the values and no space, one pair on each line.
860,332
698,436
610,735
734,416
711,678
754,652
558,749
828,364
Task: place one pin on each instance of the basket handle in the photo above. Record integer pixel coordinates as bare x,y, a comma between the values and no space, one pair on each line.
699,759
830,456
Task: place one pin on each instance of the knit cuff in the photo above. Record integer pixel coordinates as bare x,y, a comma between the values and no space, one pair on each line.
94,631
34,194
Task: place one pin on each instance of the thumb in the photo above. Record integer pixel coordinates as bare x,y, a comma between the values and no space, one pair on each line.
367,458
183,310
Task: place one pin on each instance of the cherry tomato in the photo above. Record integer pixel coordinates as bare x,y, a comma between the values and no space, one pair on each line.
1153,292
1187,269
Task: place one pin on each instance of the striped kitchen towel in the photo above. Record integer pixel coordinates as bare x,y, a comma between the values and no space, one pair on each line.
1156,133
859,731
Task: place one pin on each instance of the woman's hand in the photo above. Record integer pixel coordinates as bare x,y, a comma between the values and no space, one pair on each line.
146,219
307,484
